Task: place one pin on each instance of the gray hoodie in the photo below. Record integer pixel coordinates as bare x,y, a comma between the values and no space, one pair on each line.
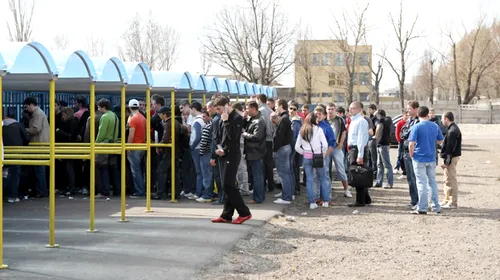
266,112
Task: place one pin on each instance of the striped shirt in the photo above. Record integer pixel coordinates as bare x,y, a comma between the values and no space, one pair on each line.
206,139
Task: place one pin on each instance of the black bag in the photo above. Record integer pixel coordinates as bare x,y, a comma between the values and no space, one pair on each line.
360,176
317,160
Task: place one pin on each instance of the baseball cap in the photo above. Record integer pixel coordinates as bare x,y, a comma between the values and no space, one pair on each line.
164,110
133,103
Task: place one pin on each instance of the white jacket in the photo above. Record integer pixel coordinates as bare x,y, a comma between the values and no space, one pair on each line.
318,142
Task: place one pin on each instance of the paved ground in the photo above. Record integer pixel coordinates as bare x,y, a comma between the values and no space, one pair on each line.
173,242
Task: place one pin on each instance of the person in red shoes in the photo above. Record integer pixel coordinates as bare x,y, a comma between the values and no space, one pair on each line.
227,145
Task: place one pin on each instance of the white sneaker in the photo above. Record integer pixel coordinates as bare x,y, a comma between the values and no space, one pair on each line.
183,193
348,194
448,206
281,201
193,197
395,171
201,199
388,186
187,195
85,192
402,177
414,208
293,197
278,195
12,200
325,204
313,206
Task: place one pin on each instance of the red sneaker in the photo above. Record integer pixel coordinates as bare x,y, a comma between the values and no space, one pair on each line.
241,219
220,220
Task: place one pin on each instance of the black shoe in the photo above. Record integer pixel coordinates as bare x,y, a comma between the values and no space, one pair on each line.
416,212
356,205
41,196
377,186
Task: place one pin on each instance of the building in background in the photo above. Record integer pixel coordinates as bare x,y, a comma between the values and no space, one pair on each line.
321,66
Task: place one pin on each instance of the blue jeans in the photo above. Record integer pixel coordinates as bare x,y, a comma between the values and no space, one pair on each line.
384,162
317,188
206,173
285,172
135,159
410,177
199,178
338,158
259,193
425,173
12,182
41,180
325,186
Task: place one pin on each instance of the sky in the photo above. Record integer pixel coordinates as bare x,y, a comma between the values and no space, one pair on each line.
107,19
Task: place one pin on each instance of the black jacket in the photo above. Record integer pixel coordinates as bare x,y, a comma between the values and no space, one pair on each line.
157,125
255,139
67,132
452,142
14,133
229,134
283,135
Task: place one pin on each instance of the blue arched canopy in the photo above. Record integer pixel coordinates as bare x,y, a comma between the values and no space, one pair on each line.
200,84
234,88
214,86
172,81
224,86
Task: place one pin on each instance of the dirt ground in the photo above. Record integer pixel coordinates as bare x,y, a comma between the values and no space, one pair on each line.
384,241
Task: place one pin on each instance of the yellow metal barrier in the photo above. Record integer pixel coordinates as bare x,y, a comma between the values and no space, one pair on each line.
189,98
2,266
92,160
148,151
52,171
204,99
124,157
45,156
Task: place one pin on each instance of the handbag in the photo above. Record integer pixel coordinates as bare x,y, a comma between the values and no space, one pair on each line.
317,159
360,176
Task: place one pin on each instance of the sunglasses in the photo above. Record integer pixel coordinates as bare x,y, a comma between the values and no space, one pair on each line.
293,109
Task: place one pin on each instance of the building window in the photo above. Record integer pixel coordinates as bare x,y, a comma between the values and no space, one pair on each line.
327,94
327,59
335,79
364,60
331,79
314,59
339,59
364,79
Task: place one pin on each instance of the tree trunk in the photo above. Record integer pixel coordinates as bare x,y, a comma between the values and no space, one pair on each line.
402,96
377,96
457,86
431,93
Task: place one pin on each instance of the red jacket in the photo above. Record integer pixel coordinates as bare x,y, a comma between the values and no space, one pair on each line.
399,126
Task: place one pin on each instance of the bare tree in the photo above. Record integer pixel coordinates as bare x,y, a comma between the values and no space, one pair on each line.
61,42
303,67
22,14
150,42
253,41
349,33
205,60
94,46
404,37
425,81
377,78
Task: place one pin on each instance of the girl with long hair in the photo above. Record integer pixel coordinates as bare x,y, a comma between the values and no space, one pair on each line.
311,140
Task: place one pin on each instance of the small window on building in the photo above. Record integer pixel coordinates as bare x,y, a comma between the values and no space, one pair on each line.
339,59
364,60
315,59
364,79
327,59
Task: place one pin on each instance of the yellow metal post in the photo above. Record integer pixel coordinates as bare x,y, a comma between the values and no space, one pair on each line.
204,99
189,98
237,99
172,122
52,166
2,266
245,99
92,160
148,152
124,158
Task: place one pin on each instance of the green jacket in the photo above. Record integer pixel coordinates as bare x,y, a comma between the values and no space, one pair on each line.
108,128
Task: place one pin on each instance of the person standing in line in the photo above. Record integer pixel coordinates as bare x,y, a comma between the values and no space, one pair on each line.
136,135
321,116
242,173
422,149
271,104
312,141
265,112
357,141
451,152
383,136
400,163
39,132
216,112
283,149
338,126
255,149
194,144
295,158
372,144
412,109
205,156
156,134
228,150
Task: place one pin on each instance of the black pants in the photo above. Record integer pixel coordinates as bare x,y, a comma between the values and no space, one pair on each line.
164,168
362,195
269,166
297,163
232,197
188,172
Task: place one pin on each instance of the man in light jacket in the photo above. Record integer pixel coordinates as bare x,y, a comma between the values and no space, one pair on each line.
39,132
265,112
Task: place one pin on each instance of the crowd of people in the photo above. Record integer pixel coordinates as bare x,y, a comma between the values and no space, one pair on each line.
228,150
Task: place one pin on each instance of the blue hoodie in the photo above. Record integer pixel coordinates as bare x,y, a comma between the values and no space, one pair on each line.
329,133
